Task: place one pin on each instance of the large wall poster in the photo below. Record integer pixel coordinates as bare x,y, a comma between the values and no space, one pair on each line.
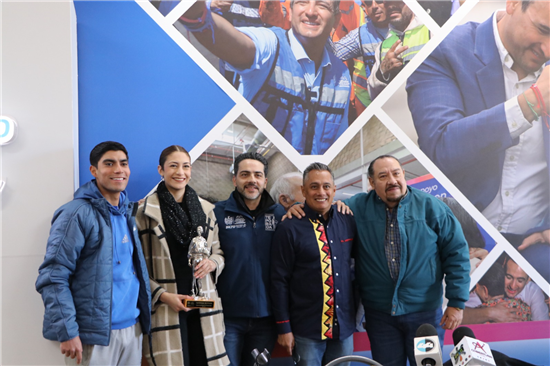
146,82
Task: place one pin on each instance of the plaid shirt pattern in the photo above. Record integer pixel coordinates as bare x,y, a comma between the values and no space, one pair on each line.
392,244
348,47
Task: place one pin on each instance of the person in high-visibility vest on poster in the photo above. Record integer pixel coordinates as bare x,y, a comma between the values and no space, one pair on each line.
407,35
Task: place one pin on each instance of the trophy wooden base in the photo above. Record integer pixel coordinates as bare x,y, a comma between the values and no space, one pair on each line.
199,303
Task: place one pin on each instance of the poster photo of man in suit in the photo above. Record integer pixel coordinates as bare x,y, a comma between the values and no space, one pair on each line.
480,105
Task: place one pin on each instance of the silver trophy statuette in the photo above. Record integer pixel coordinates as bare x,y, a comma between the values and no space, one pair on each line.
198,251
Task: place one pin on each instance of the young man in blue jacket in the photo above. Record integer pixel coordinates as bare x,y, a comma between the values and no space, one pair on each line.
93,280
247,222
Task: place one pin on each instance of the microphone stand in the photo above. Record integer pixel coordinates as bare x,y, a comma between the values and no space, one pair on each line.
353,358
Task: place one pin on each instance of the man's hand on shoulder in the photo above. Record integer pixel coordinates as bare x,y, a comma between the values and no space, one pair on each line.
72,348
287,341
343,208
452,318
297,210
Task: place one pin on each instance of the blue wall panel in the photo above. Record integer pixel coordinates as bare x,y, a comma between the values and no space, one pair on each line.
138,87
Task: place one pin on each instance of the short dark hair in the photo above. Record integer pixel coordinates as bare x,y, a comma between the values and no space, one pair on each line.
317,166
252,156
371,165
507,259
335,6
170,149
493,279
100,149
469,226
525,4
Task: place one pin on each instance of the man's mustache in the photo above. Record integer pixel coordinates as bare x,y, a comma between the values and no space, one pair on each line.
393,186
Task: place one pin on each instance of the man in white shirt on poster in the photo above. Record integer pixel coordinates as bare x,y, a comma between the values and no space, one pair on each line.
517,285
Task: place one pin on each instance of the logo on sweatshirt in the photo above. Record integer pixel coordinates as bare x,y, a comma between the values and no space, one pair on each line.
235,222
270,222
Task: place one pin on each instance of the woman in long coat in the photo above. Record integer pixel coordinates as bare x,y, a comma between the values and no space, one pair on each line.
167,221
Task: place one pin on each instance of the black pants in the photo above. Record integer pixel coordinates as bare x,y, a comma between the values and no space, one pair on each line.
192,340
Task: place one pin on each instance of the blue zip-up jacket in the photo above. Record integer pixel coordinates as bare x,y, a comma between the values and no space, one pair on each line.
243,286
432,244
76,277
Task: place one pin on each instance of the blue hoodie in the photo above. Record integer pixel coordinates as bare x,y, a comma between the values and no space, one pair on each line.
124,312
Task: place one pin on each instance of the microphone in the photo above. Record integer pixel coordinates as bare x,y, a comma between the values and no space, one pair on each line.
427,350
462,332
260,358
469,351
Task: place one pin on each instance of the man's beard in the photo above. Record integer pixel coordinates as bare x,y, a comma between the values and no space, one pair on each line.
246,195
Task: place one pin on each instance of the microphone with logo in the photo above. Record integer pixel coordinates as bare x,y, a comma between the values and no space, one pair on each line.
470,351
427,350
460,355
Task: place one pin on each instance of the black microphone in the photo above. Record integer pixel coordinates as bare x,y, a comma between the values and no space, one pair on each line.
427,350
462,332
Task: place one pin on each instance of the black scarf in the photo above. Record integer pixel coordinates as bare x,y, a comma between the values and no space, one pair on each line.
179,223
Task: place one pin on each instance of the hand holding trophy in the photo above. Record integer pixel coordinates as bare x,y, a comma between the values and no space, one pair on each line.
198,251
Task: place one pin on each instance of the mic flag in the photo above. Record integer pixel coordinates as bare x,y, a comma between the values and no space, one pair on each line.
469,351
427,350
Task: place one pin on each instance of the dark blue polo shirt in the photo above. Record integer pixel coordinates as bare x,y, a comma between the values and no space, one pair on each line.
311,276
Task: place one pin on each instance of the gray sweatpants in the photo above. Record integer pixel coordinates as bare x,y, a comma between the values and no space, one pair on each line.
124,349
